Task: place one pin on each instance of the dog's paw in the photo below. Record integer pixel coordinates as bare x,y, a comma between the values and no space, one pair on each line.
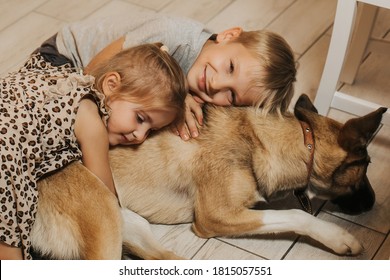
337,239
347,244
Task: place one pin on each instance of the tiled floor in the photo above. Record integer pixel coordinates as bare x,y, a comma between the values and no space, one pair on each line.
306,24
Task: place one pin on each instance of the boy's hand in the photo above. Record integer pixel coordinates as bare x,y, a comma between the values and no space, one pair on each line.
193,115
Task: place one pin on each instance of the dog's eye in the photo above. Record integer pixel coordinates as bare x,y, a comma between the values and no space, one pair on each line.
350,174
360,152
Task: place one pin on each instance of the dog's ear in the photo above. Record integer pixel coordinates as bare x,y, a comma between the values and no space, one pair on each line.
303,103
356,133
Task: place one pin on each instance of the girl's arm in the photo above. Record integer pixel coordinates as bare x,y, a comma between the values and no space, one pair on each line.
91,135
105,54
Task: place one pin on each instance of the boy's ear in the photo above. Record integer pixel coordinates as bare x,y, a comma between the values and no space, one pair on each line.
229,34
111,83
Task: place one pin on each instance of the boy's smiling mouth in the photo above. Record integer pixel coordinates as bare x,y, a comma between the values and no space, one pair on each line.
202,94
202,81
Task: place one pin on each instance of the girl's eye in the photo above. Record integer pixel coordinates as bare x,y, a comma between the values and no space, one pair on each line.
140,119
232,98
231,69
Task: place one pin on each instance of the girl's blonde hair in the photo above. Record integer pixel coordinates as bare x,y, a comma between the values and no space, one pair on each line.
149,77
277,61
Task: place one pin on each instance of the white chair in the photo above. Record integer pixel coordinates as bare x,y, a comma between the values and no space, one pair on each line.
327,96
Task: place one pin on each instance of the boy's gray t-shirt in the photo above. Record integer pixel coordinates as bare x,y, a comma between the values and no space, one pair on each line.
81,41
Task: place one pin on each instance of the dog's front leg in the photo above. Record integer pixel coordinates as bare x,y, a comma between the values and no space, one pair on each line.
300,222
332,236
138,238
251,222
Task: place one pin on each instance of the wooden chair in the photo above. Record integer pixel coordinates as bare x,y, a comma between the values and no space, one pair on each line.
327,96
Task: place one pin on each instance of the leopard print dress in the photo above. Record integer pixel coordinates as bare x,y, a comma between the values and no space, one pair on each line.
38,108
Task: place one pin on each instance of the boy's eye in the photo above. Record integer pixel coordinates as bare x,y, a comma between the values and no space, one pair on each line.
232,98
231,69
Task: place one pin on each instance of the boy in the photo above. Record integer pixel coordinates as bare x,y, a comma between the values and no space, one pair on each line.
234,67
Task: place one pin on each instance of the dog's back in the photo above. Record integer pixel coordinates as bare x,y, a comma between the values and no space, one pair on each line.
154,178
159,178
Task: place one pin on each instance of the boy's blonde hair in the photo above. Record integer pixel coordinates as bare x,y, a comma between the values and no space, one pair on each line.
149,76
277,59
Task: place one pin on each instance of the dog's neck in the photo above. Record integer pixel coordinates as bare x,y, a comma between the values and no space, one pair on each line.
300,194
308,137
280,157
288,153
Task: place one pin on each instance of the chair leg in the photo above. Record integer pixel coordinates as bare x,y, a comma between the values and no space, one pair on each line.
365,19
341,34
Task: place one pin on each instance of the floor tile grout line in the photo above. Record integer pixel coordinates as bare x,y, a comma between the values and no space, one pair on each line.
280,14
380,246
22,16
353,222
291,247
198,250
243,249
223,9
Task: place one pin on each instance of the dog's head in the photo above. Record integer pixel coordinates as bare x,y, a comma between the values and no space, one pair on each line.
341,158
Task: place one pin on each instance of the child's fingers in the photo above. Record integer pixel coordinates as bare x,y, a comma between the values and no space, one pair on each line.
195,108
187,129
193,114
180,129
183,132
198,112
173,128
191,125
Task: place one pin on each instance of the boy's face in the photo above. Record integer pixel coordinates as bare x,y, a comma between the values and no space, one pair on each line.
223,72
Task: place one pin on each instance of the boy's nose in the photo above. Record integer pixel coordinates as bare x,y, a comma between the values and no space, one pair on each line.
219,83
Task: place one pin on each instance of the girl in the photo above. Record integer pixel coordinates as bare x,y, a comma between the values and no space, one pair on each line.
52,115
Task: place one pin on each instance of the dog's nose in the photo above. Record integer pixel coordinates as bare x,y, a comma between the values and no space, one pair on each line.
362,200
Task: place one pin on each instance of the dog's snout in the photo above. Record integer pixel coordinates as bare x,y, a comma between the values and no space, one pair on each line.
361,200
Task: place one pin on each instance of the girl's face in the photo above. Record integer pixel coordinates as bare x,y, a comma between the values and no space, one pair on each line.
130,124
223,72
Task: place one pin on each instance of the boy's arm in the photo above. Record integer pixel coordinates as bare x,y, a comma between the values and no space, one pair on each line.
91,135
105,54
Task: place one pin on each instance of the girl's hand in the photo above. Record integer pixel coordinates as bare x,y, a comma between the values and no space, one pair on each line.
193,118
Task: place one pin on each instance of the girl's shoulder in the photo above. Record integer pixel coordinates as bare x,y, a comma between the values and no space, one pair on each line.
36,64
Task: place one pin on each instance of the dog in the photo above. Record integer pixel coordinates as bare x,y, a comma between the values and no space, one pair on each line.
213,182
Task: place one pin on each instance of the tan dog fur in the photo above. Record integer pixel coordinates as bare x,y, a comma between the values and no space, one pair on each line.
68,226
213,181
